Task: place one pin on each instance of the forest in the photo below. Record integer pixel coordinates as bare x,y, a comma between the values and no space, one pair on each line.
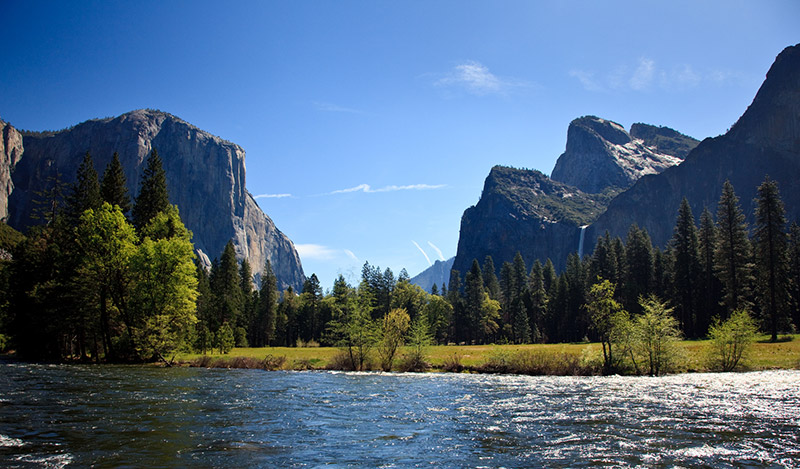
104,278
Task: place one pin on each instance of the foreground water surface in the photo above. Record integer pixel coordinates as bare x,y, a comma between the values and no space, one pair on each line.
64,415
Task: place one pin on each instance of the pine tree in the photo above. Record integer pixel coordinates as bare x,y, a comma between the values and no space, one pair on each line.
114,186
732,253
311,300
455,299
710,286
153,196
85,192
226,287
685,248
771,255
519,311
538,302
490,278
549,276
247,319
576,319
267,307
473,296
604,260
205,304
794,272
638,267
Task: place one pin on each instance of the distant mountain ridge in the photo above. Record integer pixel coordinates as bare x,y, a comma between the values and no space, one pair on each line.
600,155
205,178
764,141
543,217
437,274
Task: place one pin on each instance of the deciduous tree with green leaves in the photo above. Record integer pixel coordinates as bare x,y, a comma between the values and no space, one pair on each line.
163,296
391,336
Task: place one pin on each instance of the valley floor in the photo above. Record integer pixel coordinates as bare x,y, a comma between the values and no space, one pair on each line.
575,358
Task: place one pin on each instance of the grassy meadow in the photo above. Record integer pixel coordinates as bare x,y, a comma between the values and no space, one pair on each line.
580,358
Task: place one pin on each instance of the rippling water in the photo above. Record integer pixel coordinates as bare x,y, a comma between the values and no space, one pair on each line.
62,415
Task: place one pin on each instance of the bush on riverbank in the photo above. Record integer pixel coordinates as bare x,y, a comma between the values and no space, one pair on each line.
538,363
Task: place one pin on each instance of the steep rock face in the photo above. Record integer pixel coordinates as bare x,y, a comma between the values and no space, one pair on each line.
525,211
664,140
601,154
10,154
764,141
205,178
438,274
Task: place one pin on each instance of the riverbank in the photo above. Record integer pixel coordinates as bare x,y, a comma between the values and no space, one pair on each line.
544,359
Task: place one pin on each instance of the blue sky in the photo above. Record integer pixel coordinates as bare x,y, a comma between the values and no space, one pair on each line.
370,126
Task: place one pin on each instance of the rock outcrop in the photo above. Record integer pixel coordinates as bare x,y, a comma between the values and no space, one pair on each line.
437,274
764,141
523,210
205,179
664,140
600,154
10,153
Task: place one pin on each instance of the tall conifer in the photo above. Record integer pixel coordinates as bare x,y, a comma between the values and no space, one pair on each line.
114,186
770,253
711,288
153,196
686,268
732,253
85,192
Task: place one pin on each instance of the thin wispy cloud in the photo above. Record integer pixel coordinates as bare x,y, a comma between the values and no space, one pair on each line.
315,251
330,107
646,74
351,255
368,189
271,196
423,252
475,78
319,252
438,251
643,75
587,79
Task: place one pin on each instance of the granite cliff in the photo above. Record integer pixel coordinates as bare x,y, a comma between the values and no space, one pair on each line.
523,210
600,154
764,141
541,217
10,153
205,178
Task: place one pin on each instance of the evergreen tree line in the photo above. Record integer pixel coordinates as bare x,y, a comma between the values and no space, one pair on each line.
705,273
91,282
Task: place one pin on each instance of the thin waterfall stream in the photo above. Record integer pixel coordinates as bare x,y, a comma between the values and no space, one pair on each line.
580,242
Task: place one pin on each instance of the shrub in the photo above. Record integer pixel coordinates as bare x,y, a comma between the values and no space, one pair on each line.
731,341
537,363
453,364
656,335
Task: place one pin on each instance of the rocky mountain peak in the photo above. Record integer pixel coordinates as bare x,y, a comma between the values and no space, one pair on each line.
205,179
773,118
765,141
664,140
600,154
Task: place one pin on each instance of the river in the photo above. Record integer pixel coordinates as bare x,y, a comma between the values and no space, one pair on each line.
110,416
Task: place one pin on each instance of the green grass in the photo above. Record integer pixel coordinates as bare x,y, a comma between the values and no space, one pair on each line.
764,355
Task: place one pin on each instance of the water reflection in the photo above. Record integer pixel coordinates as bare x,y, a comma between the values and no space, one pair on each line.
56,415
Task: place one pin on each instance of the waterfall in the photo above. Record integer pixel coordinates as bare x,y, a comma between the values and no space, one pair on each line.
580,242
